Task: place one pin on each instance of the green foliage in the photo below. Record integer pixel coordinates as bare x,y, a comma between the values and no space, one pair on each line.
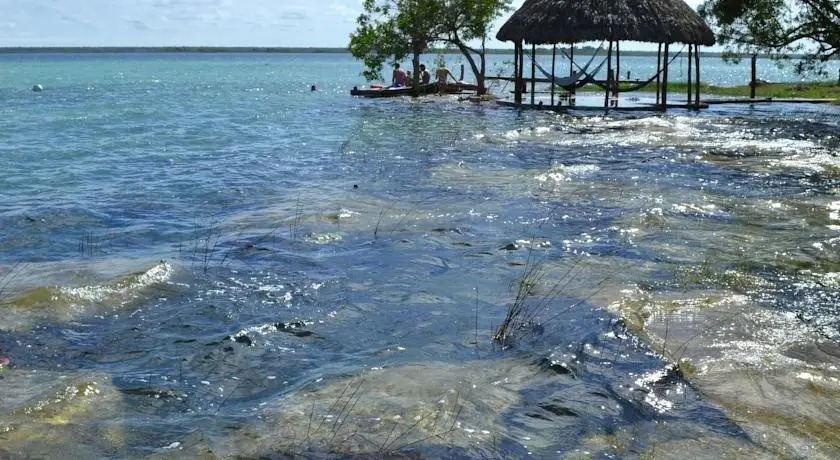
376,39
466,20
778,27
390,30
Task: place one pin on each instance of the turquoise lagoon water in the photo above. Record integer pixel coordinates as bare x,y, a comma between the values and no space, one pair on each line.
201,257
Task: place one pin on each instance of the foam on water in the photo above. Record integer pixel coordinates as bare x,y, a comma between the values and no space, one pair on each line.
122,291
398,232
563,173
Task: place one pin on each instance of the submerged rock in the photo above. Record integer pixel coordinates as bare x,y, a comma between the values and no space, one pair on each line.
49,415
293,327
527,244
766,368
390,411
65,303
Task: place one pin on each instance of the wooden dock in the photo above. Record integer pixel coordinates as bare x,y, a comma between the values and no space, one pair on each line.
638,107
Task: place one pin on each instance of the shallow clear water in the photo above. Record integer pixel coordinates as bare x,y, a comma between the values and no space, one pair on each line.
201,255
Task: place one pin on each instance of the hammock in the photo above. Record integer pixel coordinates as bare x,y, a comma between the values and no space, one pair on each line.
573,80
638,85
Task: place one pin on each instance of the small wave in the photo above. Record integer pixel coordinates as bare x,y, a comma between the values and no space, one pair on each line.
694,209
122,291
834,210
564,173
63,303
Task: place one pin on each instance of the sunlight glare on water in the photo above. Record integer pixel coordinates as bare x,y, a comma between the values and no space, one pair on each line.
199,253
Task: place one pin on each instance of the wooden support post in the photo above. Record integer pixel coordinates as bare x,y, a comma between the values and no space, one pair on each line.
617,70
753,81
517,96
553,60
665,78
533,71
571,71
609,76
523,85
697,75
690,57
658,72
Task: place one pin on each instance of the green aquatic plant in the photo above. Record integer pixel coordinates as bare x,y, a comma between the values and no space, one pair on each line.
335,429
520,311
92,243
8,278
827,433
203,244
532,306
378,221
295,225
830,171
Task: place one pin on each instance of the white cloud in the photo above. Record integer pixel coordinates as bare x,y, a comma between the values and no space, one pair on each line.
182,22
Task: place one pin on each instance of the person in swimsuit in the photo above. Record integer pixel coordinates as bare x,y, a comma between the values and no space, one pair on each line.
441,74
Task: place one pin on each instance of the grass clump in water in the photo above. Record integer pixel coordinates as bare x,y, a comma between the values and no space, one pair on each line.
530,304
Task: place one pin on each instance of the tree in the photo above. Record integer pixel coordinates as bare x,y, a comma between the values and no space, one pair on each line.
779,28
394,29
464,21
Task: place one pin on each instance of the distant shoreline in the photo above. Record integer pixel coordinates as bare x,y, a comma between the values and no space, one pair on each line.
258,49
545,50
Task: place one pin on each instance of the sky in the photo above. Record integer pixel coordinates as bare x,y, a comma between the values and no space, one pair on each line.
261,23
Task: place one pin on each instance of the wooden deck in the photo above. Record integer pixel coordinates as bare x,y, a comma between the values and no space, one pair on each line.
637,107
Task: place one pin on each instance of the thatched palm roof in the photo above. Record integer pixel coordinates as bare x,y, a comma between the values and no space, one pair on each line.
570,21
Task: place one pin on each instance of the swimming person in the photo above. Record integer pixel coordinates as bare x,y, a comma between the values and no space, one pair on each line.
399,77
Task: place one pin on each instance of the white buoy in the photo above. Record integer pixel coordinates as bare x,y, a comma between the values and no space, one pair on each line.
37,88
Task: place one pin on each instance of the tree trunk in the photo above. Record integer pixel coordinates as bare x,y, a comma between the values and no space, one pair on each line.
479,78
479,73
415,74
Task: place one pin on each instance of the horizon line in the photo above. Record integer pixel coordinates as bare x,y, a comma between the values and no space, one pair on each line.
272,49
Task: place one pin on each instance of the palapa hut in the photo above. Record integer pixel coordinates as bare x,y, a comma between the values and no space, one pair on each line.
540,22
